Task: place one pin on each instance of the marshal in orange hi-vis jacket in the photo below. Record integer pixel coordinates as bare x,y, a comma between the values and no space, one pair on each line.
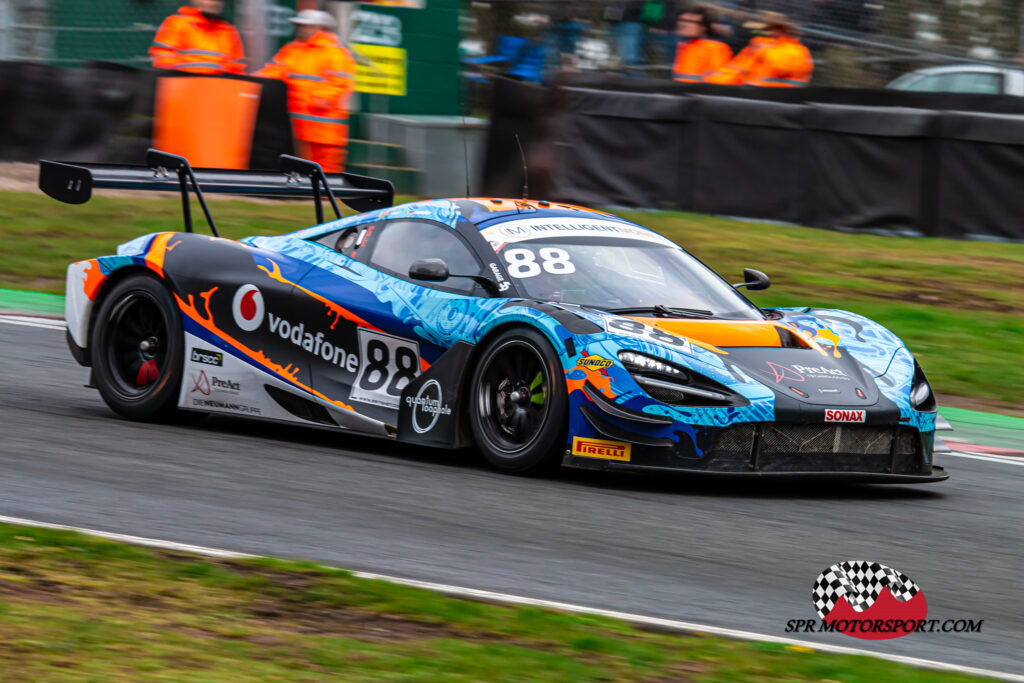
319,72
697,58
193,42
777,60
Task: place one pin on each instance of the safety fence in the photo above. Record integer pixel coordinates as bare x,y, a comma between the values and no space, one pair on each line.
908,163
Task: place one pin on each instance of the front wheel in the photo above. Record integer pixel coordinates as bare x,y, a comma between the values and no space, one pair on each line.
518,403
137,357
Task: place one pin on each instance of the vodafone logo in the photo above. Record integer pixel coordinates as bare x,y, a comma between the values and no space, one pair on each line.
248,308
833,415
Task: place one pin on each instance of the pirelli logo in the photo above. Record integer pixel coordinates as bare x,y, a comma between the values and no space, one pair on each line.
599,448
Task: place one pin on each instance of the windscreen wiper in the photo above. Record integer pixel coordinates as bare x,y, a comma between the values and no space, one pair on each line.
666,311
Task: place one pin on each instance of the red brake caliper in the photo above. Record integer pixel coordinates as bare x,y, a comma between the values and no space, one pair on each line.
147,373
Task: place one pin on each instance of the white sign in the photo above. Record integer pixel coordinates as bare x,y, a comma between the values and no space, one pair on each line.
538,228
372,28
386,365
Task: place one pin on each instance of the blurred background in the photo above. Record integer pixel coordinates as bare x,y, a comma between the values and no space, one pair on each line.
438,89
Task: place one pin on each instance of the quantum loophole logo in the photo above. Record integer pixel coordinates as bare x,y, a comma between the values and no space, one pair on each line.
869,600
247,307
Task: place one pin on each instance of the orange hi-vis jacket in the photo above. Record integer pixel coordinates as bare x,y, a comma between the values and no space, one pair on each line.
697,58
782,62
320,74
786,64
734,72
188,41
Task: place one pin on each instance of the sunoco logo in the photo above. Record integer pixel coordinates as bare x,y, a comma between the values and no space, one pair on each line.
248,308
594,363
427,406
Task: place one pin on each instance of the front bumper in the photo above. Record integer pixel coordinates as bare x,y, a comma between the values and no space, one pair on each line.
863,453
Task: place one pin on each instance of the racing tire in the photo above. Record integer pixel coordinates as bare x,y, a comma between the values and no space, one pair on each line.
137,343
518,403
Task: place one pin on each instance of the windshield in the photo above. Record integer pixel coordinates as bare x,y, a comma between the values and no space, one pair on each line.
615,272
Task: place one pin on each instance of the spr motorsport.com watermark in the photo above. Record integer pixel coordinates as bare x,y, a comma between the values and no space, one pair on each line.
871,601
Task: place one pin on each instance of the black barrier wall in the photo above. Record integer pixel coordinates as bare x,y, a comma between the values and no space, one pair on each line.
814,156
104,113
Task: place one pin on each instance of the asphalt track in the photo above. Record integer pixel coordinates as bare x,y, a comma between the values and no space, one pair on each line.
729,555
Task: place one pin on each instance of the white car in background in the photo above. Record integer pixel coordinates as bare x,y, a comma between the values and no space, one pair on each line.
978,79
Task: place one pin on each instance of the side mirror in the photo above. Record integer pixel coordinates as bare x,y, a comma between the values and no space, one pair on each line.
754,280
429,269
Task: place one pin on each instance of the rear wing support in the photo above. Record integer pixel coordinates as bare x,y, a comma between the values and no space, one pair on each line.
315,173
72,183
161,162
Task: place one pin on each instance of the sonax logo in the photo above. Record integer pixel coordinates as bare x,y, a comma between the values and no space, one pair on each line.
834,415
248,308
599,448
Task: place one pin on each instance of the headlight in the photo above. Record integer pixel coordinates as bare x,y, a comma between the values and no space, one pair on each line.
921,397
674,385
920,394
639,362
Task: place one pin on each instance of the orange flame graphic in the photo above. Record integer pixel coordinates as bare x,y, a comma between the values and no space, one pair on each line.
332,308
93,279
287,371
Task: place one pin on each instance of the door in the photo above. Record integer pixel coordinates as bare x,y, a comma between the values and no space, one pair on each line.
393,327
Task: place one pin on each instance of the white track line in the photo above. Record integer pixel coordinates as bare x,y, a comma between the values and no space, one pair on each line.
31,321
988,457
505,598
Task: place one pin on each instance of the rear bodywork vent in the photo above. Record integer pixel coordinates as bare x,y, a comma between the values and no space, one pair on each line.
300,407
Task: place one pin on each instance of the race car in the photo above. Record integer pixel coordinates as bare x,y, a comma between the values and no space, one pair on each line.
537,332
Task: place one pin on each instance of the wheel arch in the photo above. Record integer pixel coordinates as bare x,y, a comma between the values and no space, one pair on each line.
465,388
84,354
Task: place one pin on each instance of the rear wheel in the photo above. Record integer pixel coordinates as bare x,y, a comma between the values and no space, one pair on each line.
518,403
137,340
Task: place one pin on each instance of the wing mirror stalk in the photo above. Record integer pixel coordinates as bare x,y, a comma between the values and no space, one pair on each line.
436,270
754,280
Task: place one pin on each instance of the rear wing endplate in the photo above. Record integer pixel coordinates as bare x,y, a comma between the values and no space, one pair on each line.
73,183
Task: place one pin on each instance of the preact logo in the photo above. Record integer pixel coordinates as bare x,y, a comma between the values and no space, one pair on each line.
868,600
247,307
833,415
819,371
781,372
599,448
200,383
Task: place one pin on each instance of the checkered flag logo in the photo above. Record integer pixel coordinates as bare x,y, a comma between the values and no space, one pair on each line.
861,583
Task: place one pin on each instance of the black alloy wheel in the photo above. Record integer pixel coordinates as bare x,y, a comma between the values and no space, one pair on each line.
518,403
137,354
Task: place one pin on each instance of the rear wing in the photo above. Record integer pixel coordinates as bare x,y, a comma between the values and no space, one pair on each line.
73,183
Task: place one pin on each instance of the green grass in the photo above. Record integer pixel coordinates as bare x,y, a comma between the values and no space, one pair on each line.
75,607
958,305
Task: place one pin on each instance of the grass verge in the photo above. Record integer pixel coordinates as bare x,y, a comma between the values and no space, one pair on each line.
958,305
75,607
